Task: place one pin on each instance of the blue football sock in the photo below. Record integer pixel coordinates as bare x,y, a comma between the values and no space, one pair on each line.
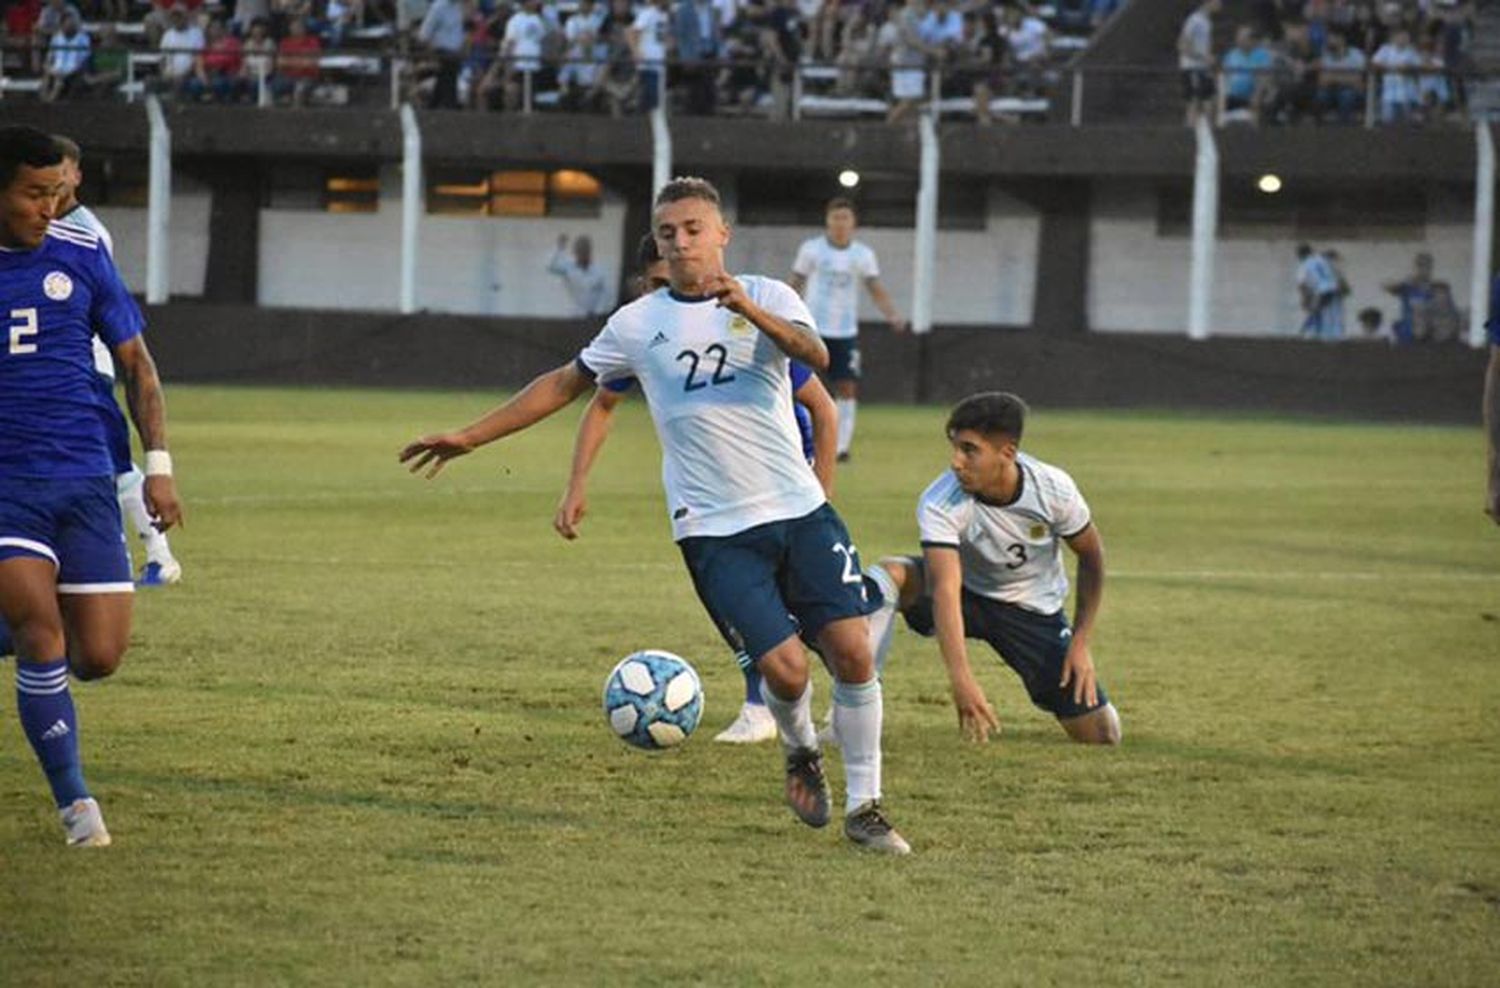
51,725
752,686
7,645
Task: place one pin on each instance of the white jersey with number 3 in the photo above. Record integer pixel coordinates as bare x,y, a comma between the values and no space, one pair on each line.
834,275
721,397
1009,552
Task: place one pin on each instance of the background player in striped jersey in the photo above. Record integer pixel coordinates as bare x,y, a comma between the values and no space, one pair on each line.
991,568
827,272
816,424
65,587
161,567
769,556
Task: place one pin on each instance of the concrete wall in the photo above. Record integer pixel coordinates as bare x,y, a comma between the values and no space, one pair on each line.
188,230
1139,280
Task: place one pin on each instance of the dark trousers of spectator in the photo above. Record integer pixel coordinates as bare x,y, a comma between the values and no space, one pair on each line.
650,91
445,87
1346,103
702,89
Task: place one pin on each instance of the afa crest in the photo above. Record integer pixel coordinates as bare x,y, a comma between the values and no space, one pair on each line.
58,286
740,326
1038,530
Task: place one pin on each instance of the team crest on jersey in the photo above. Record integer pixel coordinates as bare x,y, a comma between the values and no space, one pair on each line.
58,286
739,325
1038,530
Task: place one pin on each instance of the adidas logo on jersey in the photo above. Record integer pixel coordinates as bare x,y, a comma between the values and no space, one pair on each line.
657,340
58,730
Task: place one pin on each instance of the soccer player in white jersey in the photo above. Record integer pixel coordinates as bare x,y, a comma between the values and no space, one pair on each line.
769,556
817,424
65,587
827,272
161,567
991,569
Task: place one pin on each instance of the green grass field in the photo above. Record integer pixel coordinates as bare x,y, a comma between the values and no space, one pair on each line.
361,743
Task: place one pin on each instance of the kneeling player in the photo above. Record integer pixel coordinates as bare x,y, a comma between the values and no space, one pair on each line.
991,568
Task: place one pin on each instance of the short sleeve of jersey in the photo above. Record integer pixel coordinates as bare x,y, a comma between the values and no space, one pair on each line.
800,375
605,359
869,264
620,385
777,298
938,514
114,315
1070,512
804,264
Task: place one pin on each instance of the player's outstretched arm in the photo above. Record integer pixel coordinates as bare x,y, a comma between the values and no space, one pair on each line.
814,397
1078,667
976,718
539,399
1492,431
148,410
793,339
885,305
593,429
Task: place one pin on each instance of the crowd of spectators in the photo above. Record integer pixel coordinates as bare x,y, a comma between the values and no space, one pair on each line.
616,56
1296,60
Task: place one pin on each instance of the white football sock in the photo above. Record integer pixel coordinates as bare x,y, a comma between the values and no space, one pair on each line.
846,408
793,717
130,488
857,714
883,621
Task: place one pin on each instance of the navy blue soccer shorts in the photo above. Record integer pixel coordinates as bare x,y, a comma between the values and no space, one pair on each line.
73,521
843,358
116,431
1032,644
767,583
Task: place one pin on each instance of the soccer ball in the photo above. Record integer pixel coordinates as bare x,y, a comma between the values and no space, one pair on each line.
653,699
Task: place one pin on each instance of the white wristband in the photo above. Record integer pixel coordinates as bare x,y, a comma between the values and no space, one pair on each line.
158,463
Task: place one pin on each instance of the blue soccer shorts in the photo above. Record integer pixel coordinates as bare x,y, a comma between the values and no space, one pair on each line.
767,583
73,521
1032,644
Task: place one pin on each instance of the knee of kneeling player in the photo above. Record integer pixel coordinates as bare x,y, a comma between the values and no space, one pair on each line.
1101,726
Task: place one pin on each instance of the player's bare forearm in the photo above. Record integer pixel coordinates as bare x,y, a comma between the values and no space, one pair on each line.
545,395
793,339
593,430
885,305
825,430
143,394
1089,546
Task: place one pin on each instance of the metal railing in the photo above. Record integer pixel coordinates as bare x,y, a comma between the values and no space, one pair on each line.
1057,94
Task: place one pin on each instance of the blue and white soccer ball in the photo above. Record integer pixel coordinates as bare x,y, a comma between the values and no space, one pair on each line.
653,699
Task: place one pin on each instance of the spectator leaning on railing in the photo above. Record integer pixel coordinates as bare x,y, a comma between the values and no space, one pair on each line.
1195,57
181,43
1341,80
650,37
442,33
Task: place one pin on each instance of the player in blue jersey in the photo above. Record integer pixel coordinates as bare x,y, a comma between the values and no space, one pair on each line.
161,567
768,554
65,580
1492,405
817,423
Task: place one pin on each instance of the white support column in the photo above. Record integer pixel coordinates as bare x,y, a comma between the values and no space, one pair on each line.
661,148
1205,232
411,205
1484,231
925,264
158,206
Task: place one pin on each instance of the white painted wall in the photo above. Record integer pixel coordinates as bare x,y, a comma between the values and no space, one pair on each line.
983,277
478,265
188,261
1139,280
